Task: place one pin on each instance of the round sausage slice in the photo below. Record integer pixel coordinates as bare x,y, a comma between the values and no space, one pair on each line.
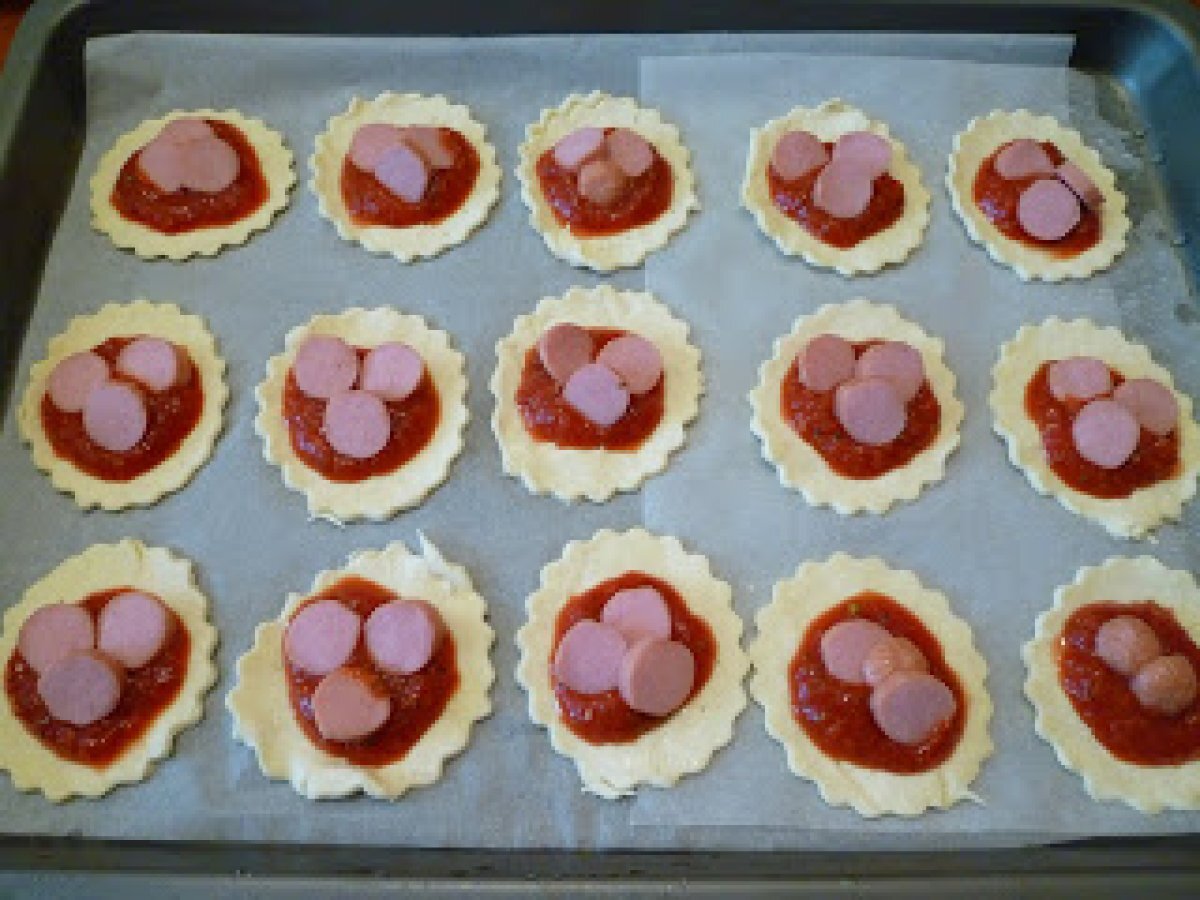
842,189
596,393
209,165
638,613
1023,158
825,362
657,676
1078,378
845,646
1105,433
1152,404
356,424
403,635
392,371
871,411
1047,210
588,658
370,143
321,637
635,360
869,152
796,154
81,688
1081,185
132,628
74,378
403,172
53,633
630,151
564,349
429,144
114,417
1166,685
325,365
1126,643
153,363
910,706
347,708
161,163
893,654
896,362
574,149
601,182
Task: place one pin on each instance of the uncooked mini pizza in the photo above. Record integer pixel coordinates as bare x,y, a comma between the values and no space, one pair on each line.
1113,681
834,187
369,682
405,174
1094,422
191,183
363,411
593,392
1036,196
607,182
632,660
126,405
105,659
856,409
873,686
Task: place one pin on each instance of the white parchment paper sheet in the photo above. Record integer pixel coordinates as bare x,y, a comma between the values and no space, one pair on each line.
982,536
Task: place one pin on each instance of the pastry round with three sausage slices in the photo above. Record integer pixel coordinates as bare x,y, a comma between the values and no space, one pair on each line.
873,686
105,659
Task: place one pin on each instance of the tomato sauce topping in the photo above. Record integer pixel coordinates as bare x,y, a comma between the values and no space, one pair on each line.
1155,459
836,715
811,415
548,417
369,203
605,718
997,198
147,691
170,417
1104,699
417,699
414,420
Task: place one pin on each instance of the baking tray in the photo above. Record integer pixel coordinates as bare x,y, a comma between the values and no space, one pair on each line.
1145,59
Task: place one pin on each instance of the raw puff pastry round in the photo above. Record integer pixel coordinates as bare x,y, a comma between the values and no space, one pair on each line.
418,241
829,121
595,473
799,465
140,317
1020,358
630,247
1149,789
795,603
379,496
979,141
274,160
103,567
262,713
686,740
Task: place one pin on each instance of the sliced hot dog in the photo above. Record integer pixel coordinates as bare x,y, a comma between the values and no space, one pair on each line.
346,706
871,411
638,613
154,363
896,362
132,628
356,424
81,688
596,393
325,365
430,145
910,706
1078,378
588,658
845,646
656,676
403,635
114,417
1047,210
635,360
403,172
370,143
1081,185
1166,685
74,378
893,654
630,151
392,371
1105,433
825,362
188,154
1126,643
601,182
842,189
321,637
53,633
796,154
209,165
564,349
1152,404
869,152
1023,158
575,148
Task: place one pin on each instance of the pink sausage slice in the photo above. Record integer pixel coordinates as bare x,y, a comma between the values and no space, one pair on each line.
871,411
796,154
638,613
114,417
564,349
596,394
869,152
825,362
1105,433
843,190
630,151
588,658
356,424
370,143
209,165
392,371
346,707
161,162
895,362
1047,210
403,635
893,654
321,637
845,646
575,148
601,182
1078,378
74,378
1152,404
430,145
1081,185
1023,158
324,366
132,628
82,688
656,676
403,172
1126,643
910,706
154,363
635,360
53,633
1166,685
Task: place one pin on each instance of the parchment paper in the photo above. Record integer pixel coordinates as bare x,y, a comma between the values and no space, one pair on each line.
982,536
